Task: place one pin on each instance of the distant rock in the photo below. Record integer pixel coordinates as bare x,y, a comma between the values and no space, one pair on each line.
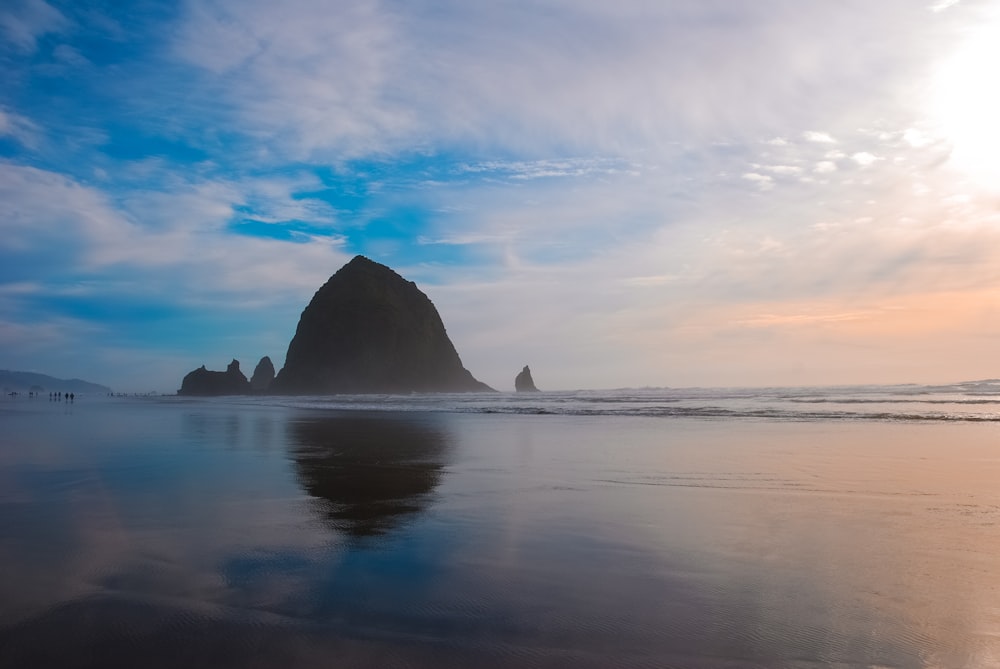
369,330
263,375
205,382
25,381
523,383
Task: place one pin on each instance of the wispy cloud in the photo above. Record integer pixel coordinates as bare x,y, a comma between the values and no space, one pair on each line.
21,129
378,77
552,167
22,22
943,5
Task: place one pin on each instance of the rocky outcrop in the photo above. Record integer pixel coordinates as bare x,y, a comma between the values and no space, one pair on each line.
263,375
206,382
523,383
369,330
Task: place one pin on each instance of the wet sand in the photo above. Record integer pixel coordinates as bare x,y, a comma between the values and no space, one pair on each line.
211,534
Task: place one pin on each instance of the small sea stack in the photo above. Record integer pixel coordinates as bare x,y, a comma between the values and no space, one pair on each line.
263,376
523,383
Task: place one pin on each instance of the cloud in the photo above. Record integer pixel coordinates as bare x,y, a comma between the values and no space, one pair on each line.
45,336
819,137
21,129
783,170
22,22
763,181
326,80
796,319
373,77
551,167
797,267
916,138
825,167
182,231
41,209
70,56
864,159
943,5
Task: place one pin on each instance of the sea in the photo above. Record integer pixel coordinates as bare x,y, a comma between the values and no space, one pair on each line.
788,528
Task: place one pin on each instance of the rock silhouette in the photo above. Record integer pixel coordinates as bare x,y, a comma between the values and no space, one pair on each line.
206,382
263,375
523,383
369,330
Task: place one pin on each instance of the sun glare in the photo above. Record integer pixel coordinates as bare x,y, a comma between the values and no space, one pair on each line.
966,105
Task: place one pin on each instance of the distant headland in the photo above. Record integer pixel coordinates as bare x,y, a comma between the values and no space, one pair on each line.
33,382
366,330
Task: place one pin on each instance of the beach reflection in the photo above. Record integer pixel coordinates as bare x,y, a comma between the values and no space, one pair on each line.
368,473
204,534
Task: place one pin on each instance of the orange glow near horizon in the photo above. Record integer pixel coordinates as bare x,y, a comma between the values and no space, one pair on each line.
935,337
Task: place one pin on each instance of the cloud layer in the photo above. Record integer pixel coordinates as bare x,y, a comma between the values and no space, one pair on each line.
640,193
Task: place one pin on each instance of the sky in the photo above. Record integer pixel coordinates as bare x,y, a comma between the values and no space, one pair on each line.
619,194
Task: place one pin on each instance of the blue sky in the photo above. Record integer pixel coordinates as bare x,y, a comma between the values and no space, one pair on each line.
683,192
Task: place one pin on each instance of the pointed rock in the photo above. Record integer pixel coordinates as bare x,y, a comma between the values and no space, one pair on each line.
523,383
369,330
263,375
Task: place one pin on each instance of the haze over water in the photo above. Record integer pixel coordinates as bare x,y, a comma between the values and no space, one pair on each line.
849,527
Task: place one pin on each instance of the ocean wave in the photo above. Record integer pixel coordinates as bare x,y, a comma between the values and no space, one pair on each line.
967,402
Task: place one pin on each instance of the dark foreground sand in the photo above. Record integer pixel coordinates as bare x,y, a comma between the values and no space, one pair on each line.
212,534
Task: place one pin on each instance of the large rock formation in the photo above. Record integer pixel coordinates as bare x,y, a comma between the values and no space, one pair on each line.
523,383
263,375
369,330
206,382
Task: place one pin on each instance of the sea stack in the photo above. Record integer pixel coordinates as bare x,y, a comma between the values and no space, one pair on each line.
206,382
369,330
523,383
263,375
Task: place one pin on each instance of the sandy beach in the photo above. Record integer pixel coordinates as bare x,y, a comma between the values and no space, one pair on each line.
215,533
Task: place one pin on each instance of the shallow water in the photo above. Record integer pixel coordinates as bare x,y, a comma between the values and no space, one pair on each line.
219,533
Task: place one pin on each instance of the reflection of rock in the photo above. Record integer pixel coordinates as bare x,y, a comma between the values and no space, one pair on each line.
369,473
523,381
205,382
369,330
263,375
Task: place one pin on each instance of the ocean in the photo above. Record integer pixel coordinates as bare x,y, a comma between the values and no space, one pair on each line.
706,528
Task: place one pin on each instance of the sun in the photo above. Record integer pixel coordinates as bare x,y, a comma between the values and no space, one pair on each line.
965,104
